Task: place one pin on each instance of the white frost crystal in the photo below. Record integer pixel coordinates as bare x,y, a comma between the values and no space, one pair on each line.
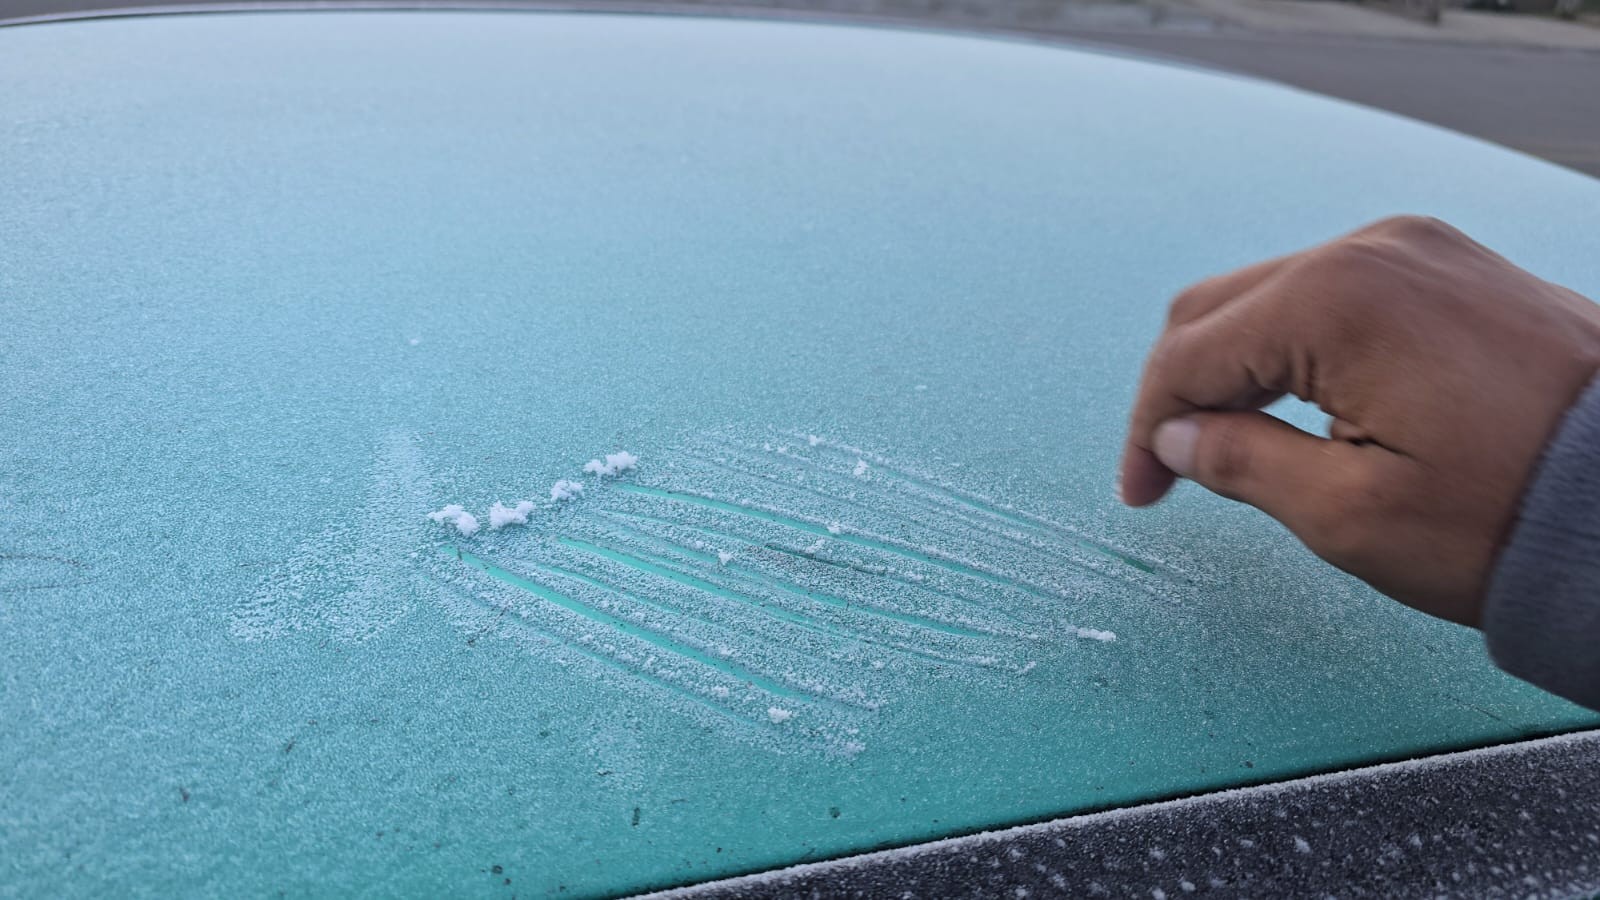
465,522
500,515
614,464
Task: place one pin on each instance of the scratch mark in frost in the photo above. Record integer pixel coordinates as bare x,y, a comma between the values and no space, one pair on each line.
624,626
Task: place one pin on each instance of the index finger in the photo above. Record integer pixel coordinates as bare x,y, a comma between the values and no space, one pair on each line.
1236,356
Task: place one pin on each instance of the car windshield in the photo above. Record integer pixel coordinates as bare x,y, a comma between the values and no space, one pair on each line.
598,453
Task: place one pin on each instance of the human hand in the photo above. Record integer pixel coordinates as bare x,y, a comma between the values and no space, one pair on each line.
1445,368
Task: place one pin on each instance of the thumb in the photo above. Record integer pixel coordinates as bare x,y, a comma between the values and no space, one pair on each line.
1255,458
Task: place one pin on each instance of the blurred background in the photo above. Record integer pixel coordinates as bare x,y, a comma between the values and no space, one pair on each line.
1522,73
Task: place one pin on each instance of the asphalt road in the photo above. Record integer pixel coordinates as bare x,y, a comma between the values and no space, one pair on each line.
1541,101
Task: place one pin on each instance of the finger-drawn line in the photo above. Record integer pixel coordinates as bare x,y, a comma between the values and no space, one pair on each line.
888,574
844,536
635,598
521,622
661,641
1021,518
817,596
1078,631
661,568
988,534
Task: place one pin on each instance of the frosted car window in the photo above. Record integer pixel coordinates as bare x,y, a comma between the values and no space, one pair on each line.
863,310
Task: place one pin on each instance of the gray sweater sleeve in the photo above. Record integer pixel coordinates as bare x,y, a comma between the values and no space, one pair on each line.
1542,615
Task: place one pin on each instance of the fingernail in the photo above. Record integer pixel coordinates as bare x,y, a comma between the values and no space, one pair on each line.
1173,444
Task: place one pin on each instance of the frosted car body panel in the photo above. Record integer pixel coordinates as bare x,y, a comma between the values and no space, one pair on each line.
867,308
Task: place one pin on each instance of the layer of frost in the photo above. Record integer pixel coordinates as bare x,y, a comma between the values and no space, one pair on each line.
614,464
779,716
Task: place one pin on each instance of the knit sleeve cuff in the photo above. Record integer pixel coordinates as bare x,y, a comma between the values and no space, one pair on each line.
1541,618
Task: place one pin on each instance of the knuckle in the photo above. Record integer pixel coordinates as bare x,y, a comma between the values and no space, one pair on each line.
1193,301
1381,249
1168,355
1348,256
1337,291
1346,531
1408,227
1187,304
